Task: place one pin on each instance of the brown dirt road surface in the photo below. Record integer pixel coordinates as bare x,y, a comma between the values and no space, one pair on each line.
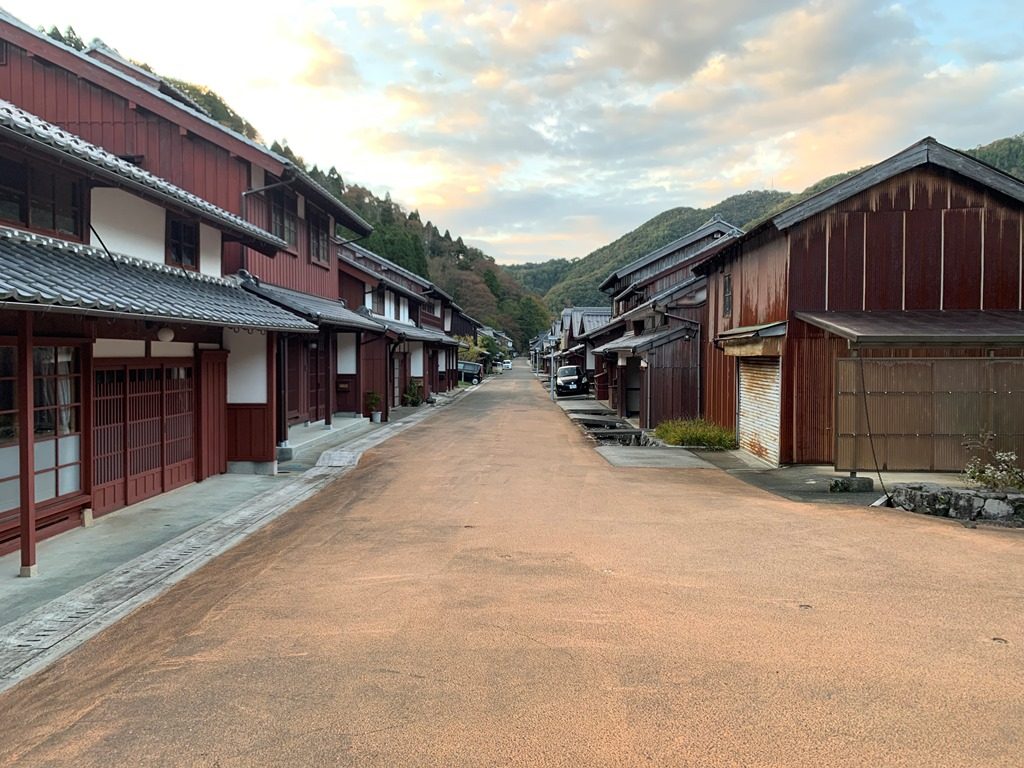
485,590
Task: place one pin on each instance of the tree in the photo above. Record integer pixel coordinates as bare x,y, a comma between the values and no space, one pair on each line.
68,37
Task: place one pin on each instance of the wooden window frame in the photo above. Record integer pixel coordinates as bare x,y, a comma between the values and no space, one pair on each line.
175,243
727,294
33,198
318,226
284,214
74,406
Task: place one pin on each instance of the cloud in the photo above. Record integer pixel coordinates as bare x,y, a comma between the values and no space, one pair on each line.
327,66
550,128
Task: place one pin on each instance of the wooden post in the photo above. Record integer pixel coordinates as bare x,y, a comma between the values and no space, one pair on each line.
26,435
330,374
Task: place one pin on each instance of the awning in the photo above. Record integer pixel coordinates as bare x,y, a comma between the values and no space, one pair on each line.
415,333
764,340
632,344
315,308
46,273
922,327
577,350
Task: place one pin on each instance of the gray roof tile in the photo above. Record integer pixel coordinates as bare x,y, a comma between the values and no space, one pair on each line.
315,308
24,125
44,271
360,224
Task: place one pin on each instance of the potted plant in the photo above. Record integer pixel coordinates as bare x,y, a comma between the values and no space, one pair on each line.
373,406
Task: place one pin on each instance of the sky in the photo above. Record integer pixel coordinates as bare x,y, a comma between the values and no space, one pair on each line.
540,130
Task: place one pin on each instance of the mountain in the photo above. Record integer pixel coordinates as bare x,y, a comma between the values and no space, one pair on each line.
484,289
539,277
574,283
579,285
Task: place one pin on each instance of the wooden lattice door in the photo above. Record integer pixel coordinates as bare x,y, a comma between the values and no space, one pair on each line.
143,432
145,435
108,487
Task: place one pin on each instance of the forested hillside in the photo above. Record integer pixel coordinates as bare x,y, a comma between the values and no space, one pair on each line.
579,286
508,297
480,286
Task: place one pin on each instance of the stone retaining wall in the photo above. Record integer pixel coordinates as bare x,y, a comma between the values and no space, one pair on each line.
1006,507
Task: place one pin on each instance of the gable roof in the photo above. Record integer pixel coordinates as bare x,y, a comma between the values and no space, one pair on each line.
710,227
925,152
47,273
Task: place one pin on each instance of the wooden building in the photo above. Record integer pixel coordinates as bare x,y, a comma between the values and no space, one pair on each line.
877,322
650,349
416,348
122,349
144,120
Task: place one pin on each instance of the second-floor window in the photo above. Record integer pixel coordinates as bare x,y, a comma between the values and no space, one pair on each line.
182,243
284,214
727,295
39,198
319,235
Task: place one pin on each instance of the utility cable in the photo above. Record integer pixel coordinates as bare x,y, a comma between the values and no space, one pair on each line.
867,421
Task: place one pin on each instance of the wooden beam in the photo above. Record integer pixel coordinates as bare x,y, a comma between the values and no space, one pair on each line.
26,433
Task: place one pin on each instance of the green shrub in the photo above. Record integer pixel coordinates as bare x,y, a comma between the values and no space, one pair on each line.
992,469
413,394
695,432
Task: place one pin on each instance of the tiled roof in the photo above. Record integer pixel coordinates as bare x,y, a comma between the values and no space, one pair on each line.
414,332
388,264
317,309
43,271
26,126
716,224
360,224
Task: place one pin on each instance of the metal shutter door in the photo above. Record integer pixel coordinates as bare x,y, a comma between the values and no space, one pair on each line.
760,406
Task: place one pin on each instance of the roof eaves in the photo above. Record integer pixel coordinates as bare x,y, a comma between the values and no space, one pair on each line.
31,130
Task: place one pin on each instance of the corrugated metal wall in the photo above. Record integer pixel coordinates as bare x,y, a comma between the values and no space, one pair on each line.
674,379
922,411
760,393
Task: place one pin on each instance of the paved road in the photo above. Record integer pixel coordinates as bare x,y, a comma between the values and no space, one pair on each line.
486,590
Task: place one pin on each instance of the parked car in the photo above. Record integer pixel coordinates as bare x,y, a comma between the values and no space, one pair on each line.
470,372
571,380
507,364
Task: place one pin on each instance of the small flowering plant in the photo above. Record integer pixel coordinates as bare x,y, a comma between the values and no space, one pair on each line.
990,468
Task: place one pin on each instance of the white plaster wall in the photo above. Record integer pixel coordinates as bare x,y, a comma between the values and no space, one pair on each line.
209,250
368,298
591,359
442,360
389,305
119,348
415,358
247,366
403,314
348,352
300,206
128,224
258,177
172,349
448,321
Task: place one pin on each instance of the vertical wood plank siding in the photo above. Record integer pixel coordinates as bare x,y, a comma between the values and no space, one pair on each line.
926,239
166,148
922,411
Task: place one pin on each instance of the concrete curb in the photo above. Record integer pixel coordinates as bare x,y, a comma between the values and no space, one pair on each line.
37,639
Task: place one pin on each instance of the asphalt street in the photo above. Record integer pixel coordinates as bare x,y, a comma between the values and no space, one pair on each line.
485,590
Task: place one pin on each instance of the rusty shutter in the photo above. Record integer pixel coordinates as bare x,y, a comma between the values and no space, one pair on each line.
760,406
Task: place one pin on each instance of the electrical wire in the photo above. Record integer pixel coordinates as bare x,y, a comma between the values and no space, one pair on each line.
871,436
